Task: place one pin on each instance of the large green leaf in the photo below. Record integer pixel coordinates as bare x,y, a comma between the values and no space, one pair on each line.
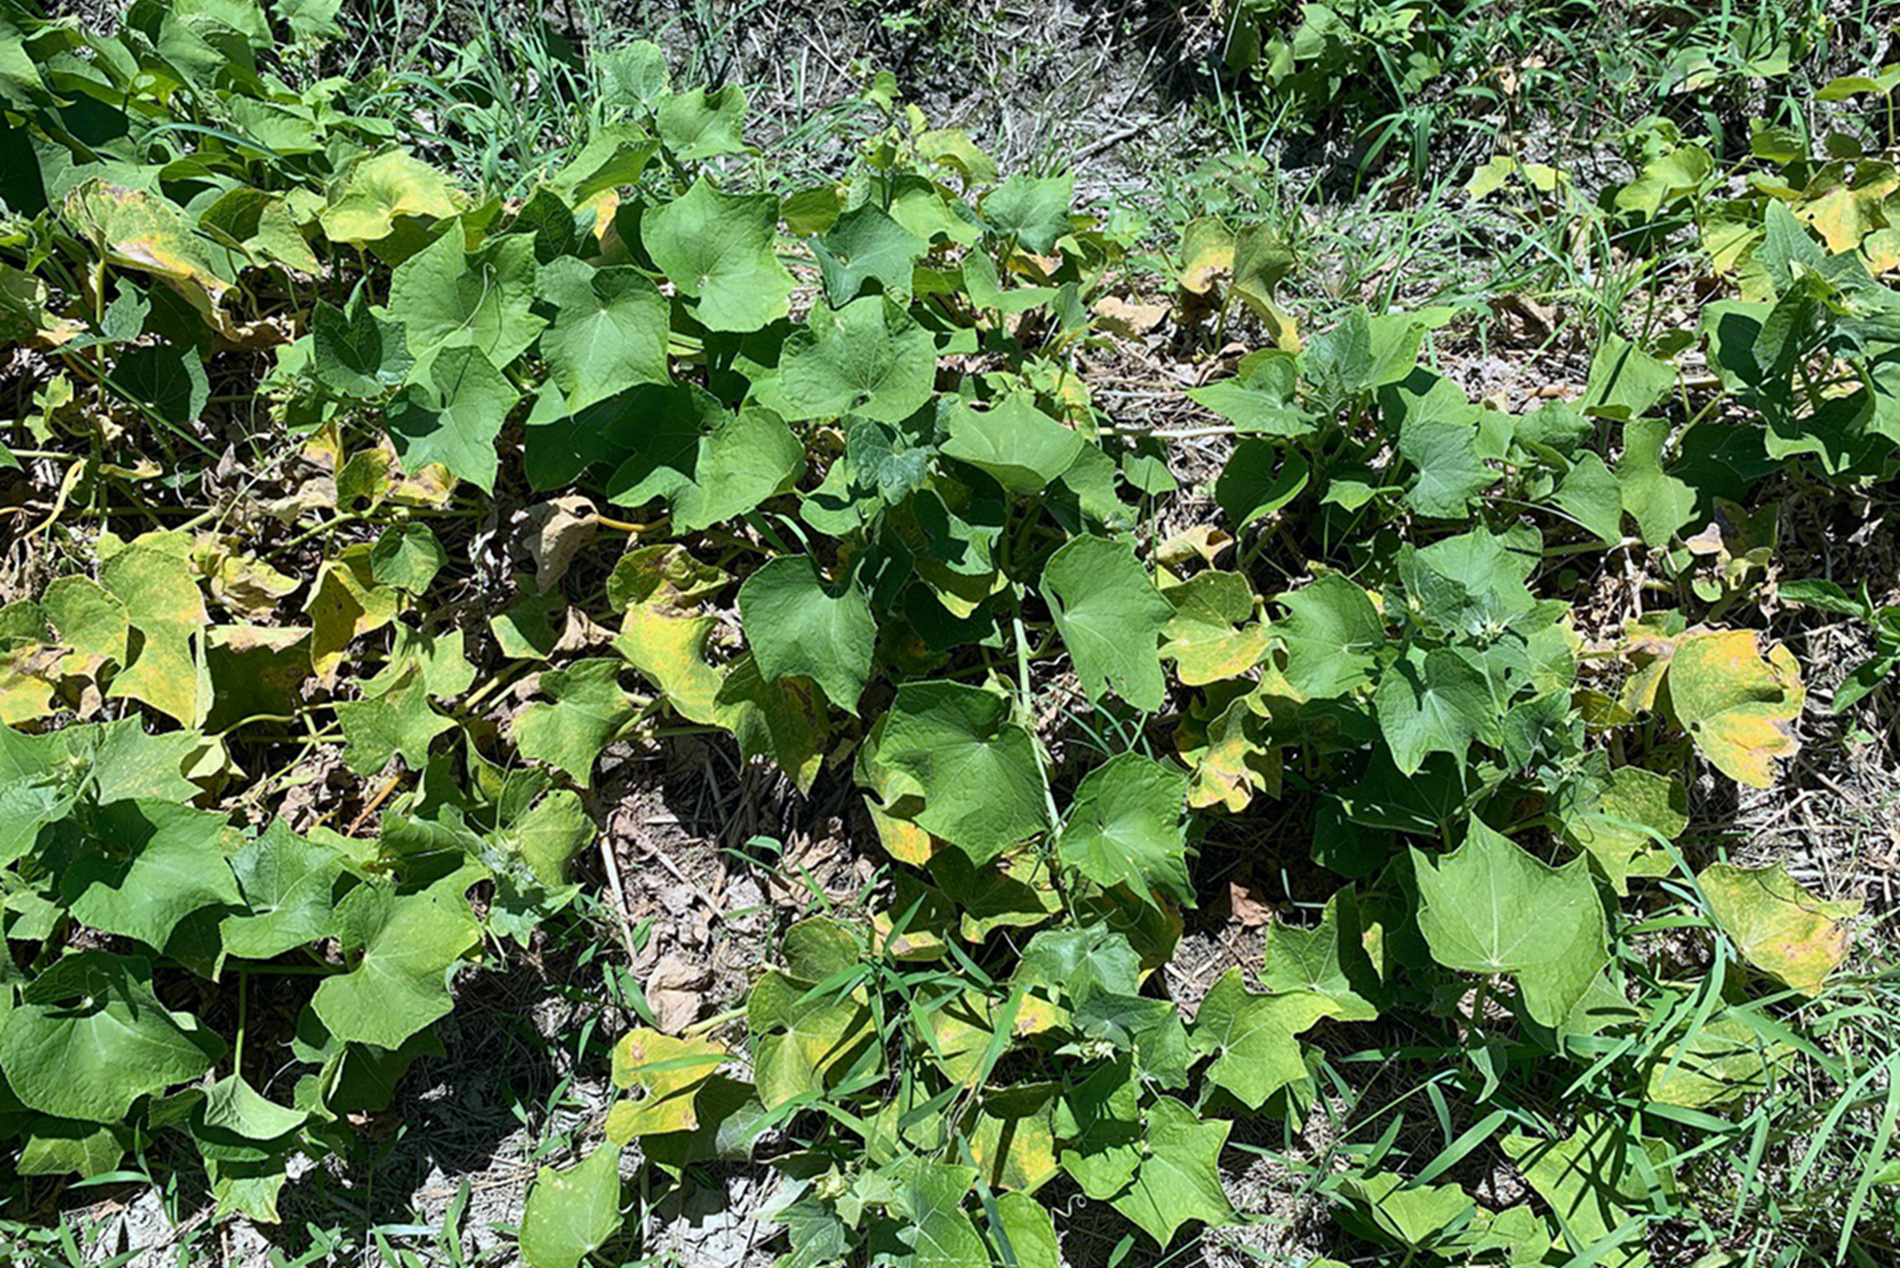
356,351
868,358
934,1232
1021,446
1436,701
1031,211
965,771
866,245
89,1038
1490,907
1591,1181
1253,1038
446,297
289,886
589,709
1331,632
804,1041
721,250
700,124
570,1213
797,623
137,868
1178,1181
402,950
1126,827
1438,434
453,415
1110,616
399,722
609,331
378,190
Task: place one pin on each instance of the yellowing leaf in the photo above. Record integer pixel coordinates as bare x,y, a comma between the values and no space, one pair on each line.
381,188
141,231
667,1073
345,602
1780,928
1737,706
162,603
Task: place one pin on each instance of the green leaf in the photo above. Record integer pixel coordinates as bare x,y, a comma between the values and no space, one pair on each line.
407,556
721,249
1779,926
1032,211
1591,1182
797,623
403,950
868,358
1658,502
355,352
976,773
1021,446
934,1232
399,722
447,298
1110,616
168,380
1099,1122
803,1041
570,1213
288,884
233,1107
1438,434
698,125
1593,497
1625,382
1412,1216
137,868
609,332
1261,397
589,710
1434,702
89,1038
1178,1181
1253,1038
1030,1230
1490,907
1126,827
866,245
1331,632
454,417
1329,960
1260,478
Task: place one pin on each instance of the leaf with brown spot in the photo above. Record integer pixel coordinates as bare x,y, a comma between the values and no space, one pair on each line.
1738,707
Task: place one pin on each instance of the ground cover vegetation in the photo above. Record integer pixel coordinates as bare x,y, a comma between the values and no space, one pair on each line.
390,449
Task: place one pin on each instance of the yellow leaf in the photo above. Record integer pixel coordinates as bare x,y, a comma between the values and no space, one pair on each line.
1738,707
666,1075
378,190
1780,928
345,602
